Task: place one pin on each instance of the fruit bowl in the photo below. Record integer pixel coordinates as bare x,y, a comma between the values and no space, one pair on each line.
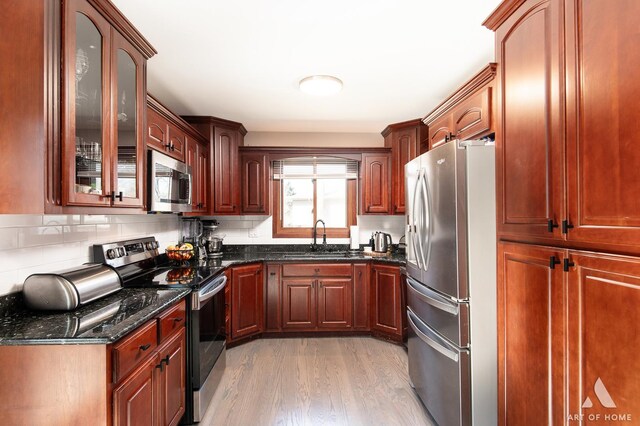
180,252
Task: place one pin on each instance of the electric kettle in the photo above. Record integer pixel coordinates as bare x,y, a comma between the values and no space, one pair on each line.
381,242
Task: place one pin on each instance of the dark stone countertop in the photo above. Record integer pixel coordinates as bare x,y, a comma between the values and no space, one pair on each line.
101,322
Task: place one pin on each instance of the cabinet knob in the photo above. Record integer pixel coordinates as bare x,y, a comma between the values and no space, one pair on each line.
145,347
273,274
177,319
553,261
550,225
567,263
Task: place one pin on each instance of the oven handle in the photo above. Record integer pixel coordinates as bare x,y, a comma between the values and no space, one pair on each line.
211,289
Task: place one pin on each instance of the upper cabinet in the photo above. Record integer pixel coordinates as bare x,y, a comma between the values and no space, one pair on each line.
74,76
468,113
375,184
405,140
254,167
103,106
225,138
567,167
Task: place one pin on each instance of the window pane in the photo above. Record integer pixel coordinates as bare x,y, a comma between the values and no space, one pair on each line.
332,202
297,203
297,169
332,169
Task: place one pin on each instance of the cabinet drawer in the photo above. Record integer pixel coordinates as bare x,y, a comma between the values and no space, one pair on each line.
172,320
313,269
128,352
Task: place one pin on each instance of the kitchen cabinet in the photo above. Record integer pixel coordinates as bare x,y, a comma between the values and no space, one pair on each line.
531,304
405,140
467,113
76,85
172,380
375,183
299,307
197,158
361,288
335,303
225,137
247,304
134,399
256,186
387,312
273,310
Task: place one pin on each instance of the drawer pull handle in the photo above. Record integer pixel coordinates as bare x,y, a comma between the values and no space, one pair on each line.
177,320
145,347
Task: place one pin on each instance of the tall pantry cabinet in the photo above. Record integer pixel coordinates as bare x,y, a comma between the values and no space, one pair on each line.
568,194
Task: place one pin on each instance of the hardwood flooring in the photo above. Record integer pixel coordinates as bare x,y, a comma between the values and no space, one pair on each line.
318,381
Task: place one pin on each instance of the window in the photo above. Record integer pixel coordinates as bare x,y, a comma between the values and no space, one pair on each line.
310,188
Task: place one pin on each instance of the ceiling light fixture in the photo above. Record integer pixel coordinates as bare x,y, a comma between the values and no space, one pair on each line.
321,85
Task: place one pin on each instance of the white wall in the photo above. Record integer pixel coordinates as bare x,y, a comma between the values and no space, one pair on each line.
248,230
296,139
47,243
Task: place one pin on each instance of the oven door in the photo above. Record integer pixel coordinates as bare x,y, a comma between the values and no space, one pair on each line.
170,184
208,342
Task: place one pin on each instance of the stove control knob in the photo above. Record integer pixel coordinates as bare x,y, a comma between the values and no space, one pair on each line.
155,245
121,251
149,245
111,254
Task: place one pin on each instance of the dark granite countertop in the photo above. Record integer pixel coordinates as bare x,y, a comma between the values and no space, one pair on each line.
101,322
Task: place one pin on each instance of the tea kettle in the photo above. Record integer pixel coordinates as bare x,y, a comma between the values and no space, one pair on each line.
380,243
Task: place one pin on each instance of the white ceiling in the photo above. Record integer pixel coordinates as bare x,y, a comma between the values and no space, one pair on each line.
242,60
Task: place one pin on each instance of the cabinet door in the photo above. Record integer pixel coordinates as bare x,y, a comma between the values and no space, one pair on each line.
255,183
472,118
202,178
191,159
361,289
86,175
376,184
129,101
177,143
273,301
386,300
603,130
531,298
226,193
135,401
404,149
157,131
172,380
299,303
529,134
246,301
603,314
335,303
440,131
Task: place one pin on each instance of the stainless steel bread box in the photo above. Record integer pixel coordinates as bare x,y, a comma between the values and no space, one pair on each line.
66,290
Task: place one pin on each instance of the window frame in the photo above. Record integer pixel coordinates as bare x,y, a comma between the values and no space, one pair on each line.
279,231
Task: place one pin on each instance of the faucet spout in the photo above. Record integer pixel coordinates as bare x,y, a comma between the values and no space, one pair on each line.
315,234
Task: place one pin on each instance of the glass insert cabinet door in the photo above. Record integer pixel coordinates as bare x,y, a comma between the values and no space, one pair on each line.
102,107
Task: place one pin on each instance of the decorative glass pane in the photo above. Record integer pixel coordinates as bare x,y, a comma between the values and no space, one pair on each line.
297,203
332,202
127,107
88,103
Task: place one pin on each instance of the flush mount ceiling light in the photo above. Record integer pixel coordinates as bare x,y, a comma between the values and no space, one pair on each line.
321,85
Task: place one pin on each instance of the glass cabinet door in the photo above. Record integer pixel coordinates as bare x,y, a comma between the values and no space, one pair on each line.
127,101
86,180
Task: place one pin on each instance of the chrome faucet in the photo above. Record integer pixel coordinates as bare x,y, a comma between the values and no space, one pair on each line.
315,233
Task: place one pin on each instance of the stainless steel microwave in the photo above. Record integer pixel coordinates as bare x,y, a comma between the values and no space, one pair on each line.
170,184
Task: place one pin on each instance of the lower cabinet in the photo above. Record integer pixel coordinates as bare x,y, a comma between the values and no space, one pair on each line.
299,304
155,392
387,311
361,288
335,303
567,335
247,312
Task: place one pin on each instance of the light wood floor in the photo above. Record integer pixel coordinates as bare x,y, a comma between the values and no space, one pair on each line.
319,381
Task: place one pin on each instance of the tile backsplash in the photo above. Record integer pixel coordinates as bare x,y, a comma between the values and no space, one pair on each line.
47,243
247,230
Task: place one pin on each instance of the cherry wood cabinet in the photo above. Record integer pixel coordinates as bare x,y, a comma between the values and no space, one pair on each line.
375,183
247,304
361,289
335,303
387,312
405,140
602,129
273,299
197,157
467,113
135,399
299,306
171,396
225,137
531,304
254,167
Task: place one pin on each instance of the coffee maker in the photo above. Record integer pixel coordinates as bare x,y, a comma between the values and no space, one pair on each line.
212,242
191,233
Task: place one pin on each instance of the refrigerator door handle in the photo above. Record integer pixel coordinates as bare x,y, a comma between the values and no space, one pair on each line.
426,216
417,235
429,337
432,298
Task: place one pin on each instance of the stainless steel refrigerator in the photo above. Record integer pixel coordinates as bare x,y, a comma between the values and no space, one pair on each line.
451,283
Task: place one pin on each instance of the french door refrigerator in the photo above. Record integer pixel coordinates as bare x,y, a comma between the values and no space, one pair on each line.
451,282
